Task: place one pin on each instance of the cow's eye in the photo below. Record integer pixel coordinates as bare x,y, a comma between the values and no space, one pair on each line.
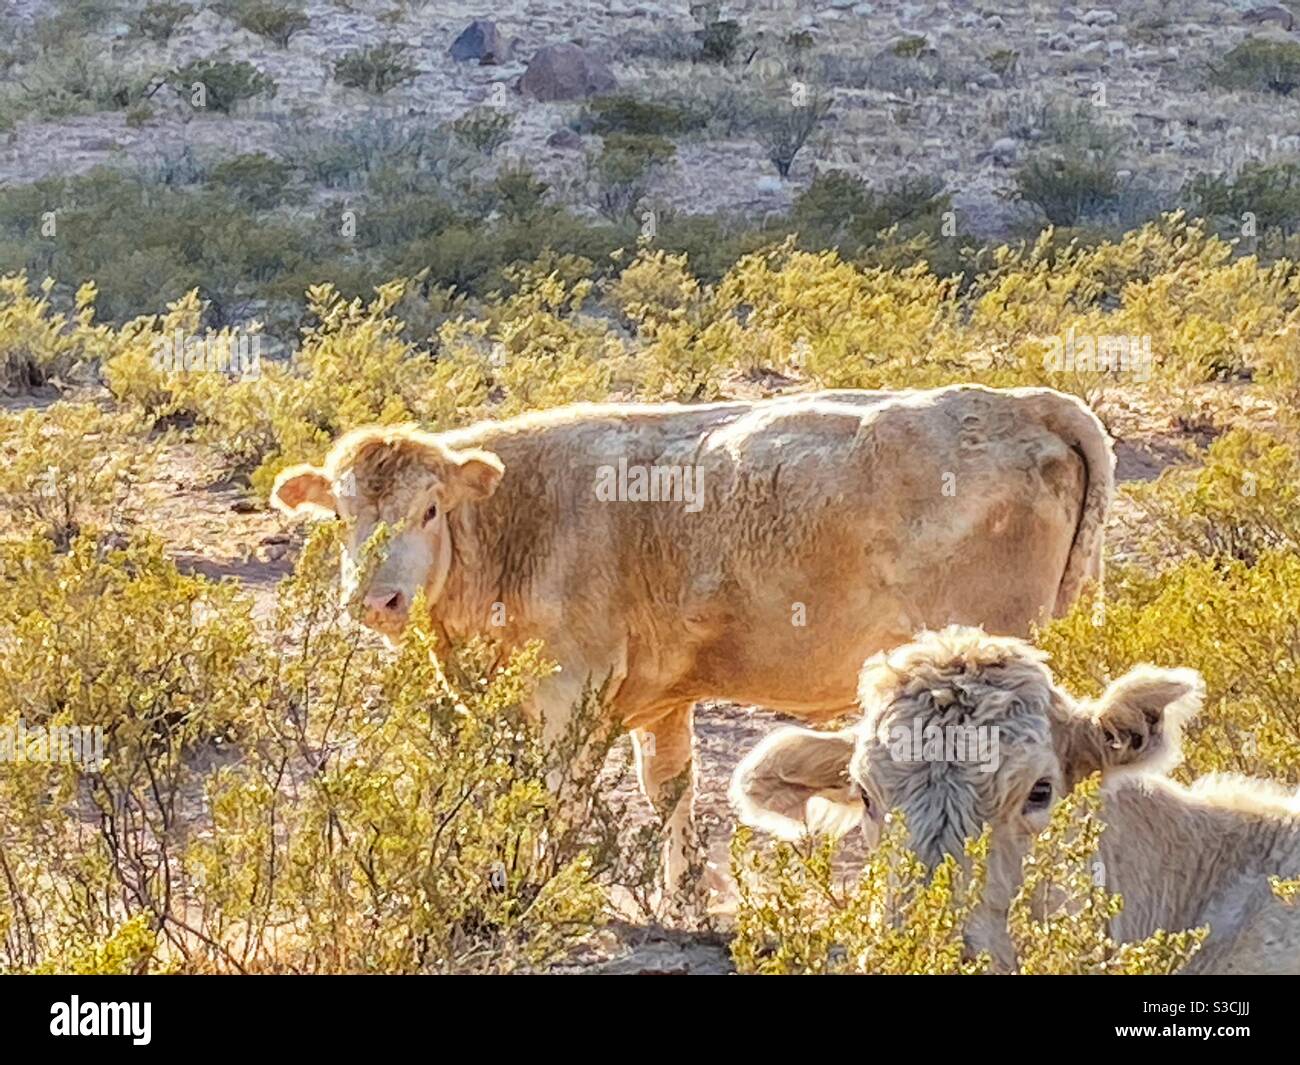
431,513
1039,796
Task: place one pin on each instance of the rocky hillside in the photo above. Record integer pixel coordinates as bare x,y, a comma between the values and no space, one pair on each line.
958,91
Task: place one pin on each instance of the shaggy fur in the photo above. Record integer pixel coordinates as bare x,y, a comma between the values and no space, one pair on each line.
829,526
1180,857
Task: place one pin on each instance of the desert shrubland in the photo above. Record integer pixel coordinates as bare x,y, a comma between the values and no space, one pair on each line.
281,793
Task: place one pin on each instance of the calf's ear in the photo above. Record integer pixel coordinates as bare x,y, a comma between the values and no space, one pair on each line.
304,490
797,781
474,478
1138,721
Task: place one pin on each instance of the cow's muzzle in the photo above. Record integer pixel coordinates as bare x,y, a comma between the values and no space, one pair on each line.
385,610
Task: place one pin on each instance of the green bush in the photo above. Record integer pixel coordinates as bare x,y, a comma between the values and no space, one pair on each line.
625,113
274,21
375,69
839,210
1068,187
352,154
621,173
1258,64
782,129
912,46
221,84
485,129
159,18
257,179
1269,191
517,193
719,39
75,78
1004,62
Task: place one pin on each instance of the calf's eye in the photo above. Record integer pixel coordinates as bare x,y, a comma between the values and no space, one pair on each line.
431,513
1039,796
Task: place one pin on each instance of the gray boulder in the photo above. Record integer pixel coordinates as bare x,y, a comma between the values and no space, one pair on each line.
481,40
565,72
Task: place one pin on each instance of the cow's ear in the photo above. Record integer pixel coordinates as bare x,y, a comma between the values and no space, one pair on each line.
304,490
1138,721
475,477
797,781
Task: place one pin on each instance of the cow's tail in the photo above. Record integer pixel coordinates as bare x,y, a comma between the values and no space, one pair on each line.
1074,422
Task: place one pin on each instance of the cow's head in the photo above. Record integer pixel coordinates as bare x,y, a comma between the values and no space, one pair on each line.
962,730
407,480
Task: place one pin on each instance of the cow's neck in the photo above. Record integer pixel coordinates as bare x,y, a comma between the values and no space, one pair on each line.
464,607
1182,859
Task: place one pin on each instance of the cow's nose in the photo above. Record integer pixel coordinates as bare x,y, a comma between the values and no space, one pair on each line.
385,607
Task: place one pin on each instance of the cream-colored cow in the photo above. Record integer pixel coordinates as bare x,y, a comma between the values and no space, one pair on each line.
755,552
1180,857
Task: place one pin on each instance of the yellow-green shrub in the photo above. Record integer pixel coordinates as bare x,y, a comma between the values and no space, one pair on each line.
1059,919
1243,500
67,466
36,343
384,814
1238,624
687,344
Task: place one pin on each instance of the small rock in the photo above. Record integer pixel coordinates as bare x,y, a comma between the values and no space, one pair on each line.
1270,13
565,138
1005,150
272,552
565,72
1099,16
481,40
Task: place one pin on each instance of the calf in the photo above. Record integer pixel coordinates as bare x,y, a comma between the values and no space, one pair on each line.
1180,857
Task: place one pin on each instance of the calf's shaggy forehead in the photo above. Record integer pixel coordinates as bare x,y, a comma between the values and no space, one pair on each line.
386,468
957,725
959,676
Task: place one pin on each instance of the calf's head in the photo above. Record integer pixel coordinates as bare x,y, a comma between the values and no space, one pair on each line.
962,730
408,481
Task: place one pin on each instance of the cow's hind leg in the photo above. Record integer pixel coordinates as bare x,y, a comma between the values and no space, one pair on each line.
666,771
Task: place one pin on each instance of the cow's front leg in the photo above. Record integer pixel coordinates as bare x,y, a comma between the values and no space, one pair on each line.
666,772
572,707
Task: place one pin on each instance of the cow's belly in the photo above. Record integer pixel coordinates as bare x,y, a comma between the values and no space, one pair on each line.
796,641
